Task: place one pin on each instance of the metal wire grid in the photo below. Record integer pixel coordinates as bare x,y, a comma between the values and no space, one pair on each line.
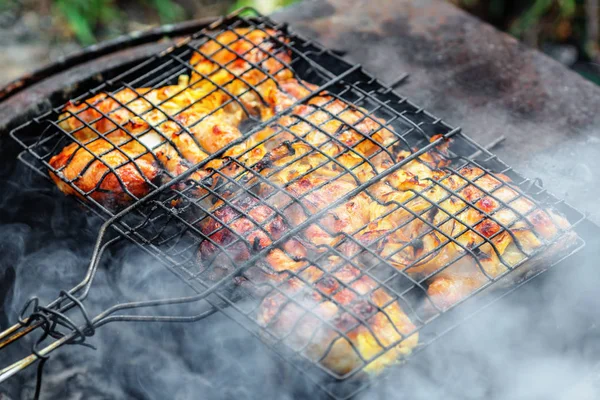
169,224
306,59
175,228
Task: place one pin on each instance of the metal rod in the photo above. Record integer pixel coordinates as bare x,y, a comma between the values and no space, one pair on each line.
15,332
8,339
32,358
400,81
101,319
490,146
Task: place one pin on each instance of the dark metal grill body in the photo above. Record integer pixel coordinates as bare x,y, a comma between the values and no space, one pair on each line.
168,221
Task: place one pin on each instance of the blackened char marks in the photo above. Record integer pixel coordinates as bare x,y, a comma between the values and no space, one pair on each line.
237,230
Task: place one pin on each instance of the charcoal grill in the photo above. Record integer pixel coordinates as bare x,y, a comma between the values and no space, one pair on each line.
170,233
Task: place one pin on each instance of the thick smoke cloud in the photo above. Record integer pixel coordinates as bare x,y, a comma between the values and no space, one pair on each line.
538,343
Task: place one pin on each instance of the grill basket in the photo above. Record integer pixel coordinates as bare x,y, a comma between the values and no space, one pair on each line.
180,214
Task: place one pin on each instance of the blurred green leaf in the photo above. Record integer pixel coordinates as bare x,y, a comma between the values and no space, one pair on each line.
108,13
168,11
240,4
84,16
538,10
263,6
591,76
75,15
568,7
531,16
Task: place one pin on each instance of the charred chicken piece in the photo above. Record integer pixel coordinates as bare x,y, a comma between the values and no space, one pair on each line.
331,311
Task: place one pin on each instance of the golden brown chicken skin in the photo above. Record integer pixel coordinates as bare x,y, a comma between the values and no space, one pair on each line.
378,331
338,316
135,169
155,138
250,63
459,243
178,125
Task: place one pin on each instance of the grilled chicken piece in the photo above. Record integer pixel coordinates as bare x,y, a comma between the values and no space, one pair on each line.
458,243
136,169
351,316
285,155
337,315
294,136
332,311
241,57
452,243
176,126
155,137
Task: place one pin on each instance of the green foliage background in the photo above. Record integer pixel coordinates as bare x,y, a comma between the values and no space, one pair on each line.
537,22
571,25
543,21
562,20
85,18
